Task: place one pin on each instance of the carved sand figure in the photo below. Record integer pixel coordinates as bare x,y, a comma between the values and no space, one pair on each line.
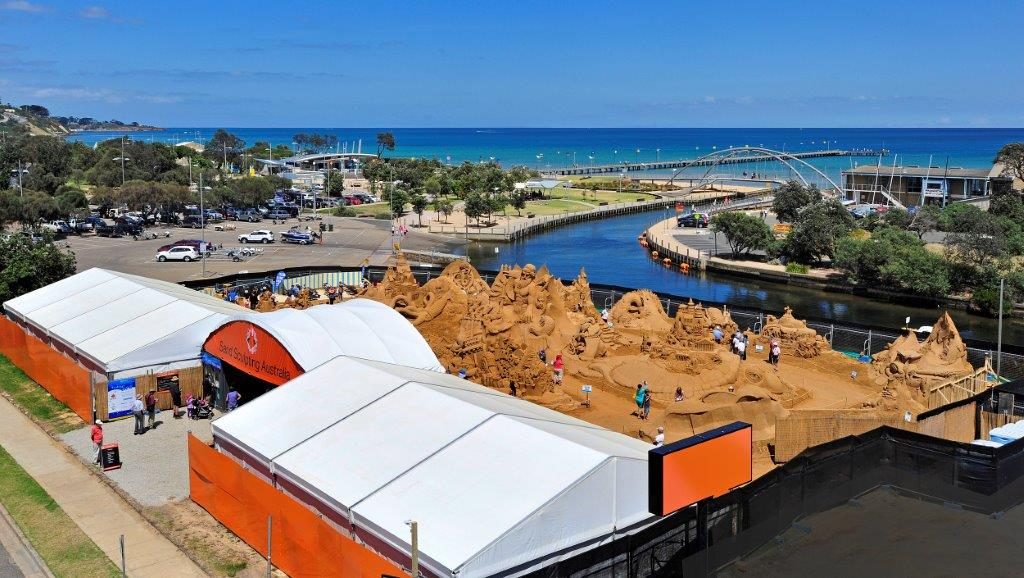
912,366
496,333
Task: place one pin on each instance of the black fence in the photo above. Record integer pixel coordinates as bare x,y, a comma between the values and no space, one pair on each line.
847,337
701,539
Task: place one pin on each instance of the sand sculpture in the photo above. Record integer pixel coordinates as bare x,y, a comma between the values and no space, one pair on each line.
908,366
498,334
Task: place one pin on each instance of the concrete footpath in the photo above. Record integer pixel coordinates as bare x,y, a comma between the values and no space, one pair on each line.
17,558
97,509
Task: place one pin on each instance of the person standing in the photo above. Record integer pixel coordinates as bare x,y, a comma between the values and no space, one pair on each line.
604,315
639,398
233,398
175,397
559,367
96,435
138,411
717,333
659,440
151,408
647,403
741,349
512,388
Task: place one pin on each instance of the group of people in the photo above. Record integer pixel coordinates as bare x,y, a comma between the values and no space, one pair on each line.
739,344
141,409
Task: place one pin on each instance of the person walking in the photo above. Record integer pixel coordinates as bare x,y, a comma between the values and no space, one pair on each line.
639,398
96,435
741,349
659,440
138,411
512,388
559,367
151,408
774,353
233,398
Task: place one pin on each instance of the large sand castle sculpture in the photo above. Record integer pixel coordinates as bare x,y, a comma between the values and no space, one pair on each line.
910,367
496,333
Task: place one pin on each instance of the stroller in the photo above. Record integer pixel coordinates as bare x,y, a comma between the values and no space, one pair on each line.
199,409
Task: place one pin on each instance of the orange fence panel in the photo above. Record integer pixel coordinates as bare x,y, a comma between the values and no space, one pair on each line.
303,544
62,377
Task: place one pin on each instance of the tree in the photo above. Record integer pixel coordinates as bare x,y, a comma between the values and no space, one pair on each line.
385,141
793,197
1012,157
223,147
37,206
419,204
897,218
743,232
475,206
925,220
11,210
518,200
916,271
36,110
976,238
26,266
336,181
251,191
444,207
71,201
397,198
48,162
817,231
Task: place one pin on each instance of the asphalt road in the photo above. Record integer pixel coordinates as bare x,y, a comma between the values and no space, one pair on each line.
352,241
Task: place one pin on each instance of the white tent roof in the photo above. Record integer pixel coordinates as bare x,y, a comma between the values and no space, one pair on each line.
358,328
122,321
495,482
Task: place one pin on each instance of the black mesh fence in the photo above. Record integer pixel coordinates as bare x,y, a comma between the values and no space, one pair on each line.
701,539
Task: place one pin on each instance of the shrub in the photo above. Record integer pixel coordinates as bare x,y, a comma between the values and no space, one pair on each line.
344,212
797,268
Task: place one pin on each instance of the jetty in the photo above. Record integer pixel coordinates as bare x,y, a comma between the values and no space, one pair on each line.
626,166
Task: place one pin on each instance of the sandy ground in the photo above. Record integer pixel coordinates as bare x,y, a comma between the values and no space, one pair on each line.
886,534
155,470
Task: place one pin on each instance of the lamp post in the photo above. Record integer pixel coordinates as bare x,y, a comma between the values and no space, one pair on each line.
122,160
202,224
999,337
415,542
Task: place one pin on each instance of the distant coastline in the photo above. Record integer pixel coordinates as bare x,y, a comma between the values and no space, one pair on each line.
117,128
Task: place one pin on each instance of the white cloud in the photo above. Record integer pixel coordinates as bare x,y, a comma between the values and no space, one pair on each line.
94,13
86,94
23,6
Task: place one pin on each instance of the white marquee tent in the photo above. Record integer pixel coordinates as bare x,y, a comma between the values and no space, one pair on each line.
358,328
120,323
497,484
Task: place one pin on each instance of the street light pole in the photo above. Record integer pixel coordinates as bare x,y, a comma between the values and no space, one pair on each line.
999,338
122,160
202,224
415,542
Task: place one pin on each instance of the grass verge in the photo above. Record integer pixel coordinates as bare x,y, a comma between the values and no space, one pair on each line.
45,410
62,545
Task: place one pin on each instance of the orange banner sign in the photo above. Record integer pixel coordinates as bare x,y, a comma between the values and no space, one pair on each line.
251,349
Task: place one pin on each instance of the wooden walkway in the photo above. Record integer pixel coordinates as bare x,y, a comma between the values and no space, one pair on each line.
685,163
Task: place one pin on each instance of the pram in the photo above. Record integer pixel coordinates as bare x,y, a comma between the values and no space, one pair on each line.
199,409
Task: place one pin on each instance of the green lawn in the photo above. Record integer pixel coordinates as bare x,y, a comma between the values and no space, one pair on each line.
65,549
50,413
600,196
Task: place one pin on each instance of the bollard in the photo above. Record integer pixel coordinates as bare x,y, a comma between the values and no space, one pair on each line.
124,567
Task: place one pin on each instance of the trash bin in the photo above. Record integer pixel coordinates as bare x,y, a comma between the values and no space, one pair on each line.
330,226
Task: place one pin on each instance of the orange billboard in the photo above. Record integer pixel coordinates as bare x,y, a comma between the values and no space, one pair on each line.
249,348
699,467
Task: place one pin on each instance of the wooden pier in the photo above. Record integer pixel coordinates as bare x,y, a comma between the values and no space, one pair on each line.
704,162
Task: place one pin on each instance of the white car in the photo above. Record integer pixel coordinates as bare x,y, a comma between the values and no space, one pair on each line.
261,236
179,253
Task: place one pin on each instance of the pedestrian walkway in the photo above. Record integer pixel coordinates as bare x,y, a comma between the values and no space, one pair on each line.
17,558
97,509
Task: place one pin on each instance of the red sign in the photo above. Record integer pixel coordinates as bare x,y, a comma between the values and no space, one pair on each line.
680,207
249,348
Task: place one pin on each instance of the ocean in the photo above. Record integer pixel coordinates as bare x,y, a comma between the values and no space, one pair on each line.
546,148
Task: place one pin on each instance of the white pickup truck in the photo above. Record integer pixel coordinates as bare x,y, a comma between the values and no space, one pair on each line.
57,227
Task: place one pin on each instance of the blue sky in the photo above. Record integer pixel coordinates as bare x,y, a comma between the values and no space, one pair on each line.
522,63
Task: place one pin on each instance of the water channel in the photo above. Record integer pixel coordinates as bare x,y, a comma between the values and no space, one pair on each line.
609,252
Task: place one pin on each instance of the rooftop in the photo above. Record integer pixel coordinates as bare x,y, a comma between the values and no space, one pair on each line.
918,171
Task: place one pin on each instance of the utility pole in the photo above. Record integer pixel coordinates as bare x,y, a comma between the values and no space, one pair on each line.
999,339
414,530
202,224
122,160
20,188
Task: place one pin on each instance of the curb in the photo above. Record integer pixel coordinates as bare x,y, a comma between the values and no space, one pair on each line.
24,557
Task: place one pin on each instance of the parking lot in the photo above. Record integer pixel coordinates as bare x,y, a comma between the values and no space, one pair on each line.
352,241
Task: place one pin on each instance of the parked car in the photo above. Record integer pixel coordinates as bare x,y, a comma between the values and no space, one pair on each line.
699,220
296,236
128,228
250,215
106,230
179,253
258,236
193,221
279,215
196,244
57,227
213,216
